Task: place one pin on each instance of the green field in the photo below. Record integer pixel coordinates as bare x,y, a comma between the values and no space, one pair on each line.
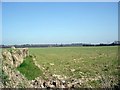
78,62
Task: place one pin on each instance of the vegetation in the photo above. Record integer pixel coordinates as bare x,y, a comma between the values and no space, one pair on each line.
4,78
76,62
29,70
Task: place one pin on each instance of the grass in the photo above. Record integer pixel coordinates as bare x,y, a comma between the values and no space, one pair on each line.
86,61
29,70
74,62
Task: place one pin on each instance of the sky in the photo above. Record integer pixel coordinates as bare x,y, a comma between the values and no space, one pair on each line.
60,22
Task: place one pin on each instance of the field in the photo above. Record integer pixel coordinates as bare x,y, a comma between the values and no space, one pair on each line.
94,66
79,62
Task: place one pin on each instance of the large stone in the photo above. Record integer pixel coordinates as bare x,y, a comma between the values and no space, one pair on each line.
16,56
7,56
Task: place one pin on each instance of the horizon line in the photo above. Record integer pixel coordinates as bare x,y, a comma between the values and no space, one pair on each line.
63,43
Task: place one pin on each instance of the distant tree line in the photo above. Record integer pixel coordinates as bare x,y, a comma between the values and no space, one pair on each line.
115,43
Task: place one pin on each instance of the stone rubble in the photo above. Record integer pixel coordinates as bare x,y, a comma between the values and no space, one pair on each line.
15,57
11,60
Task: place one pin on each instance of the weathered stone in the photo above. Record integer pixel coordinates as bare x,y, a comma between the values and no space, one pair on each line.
16,56
13,47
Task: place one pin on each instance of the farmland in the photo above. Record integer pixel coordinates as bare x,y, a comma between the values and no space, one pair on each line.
79,62
79,66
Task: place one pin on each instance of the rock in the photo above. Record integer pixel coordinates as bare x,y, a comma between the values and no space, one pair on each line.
16,56
13,47
63,81
69,85
51,86
72,70
25,52
44,84
73,86
74,59
54,83
57,83
62,86
7,56
51,64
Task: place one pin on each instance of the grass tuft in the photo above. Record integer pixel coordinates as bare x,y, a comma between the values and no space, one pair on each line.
29,70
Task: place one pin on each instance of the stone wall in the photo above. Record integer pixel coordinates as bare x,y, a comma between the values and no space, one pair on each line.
14,56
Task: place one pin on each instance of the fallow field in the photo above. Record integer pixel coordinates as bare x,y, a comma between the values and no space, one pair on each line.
95,66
